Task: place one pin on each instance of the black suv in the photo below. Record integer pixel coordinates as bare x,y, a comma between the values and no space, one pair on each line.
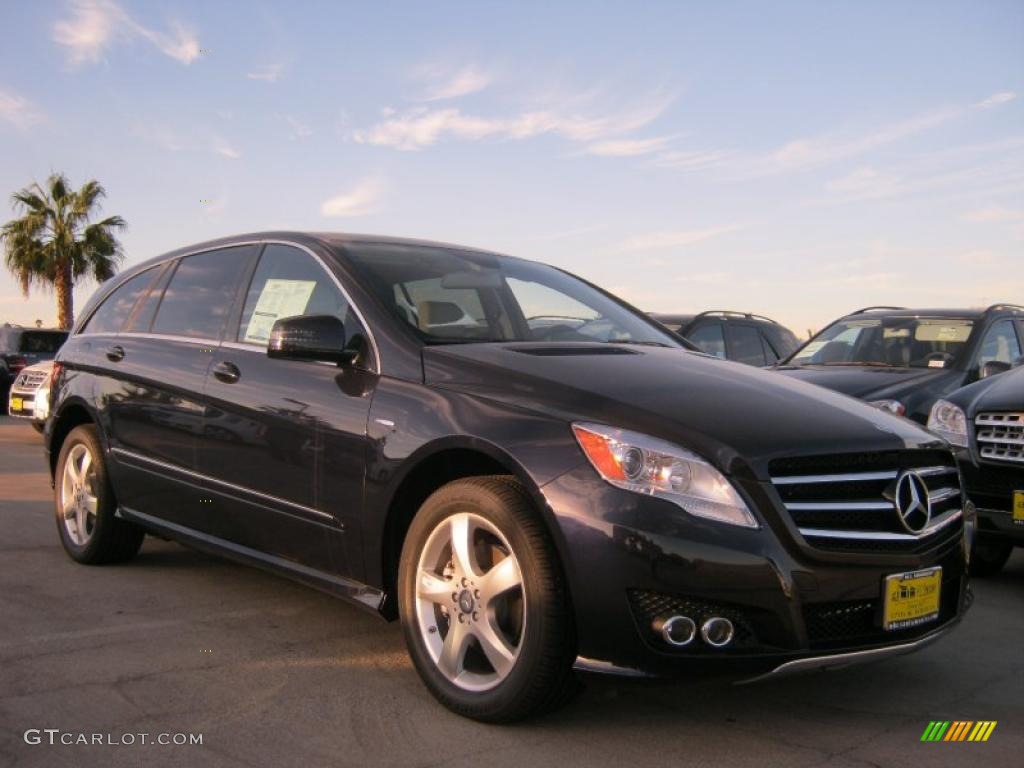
20,347
986,422
739,336
903,360
402,424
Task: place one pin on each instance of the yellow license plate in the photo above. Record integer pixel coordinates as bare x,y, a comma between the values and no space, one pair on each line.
1018,507
911,598
16,403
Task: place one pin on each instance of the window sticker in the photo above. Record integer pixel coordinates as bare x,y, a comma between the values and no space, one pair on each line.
812,347
279,298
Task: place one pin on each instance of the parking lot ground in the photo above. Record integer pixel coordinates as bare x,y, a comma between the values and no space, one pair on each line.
274,674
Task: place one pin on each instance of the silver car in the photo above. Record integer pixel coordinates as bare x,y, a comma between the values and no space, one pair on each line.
29,397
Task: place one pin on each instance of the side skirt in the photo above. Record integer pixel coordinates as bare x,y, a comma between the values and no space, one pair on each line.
353,591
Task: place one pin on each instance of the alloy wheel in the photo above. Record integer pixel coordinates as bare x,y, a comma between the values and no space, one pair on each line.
470,602
78,499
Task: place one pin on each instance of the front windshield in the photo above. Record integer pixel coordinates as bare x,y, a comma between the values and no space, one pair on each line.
453,296
904,342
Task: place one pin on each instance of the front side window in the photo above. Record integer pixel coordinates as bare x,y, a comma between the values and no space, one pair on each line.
199,296
115,309
289,282
901,342
709,338
1000,344
452,296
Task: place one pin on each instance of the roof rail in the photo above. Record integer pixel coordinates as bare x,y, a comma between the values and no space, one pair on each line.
862,310
727,312
1001,305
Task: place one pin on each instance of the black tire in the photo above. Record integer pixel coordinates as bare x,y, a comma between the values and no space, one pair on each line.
989,557
38,427
541,678
112,540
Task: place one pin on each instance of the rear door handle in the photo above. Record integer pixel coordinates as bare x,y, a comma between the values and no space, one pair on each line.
226,372
115,354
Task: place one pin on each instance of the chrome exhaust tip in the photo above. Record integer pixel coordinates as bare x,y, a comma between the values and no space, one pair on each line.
717,632
676,630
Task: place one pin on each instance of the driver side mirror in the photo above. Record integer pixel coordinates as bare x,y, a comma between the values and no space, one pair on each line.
309,337
993,367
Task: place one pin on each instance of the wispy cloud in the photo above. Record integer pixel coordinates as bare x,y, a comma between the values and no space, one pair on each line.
297,128
19,111
362,200
627,147
94,25
671,239
421,127
996,99
269,73
994,215
453,85
819,151
864,184
222,148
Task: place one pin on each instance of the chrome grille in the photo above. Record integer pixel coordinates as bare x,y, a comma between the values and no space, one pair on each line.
856,511
30,379
1000,436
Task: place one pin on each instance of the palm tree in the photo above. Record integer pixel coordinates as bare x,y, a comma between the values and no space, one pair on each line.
53,244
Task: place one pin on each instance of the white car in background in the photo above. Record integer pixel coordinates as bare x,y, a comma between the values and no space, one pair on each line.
29,397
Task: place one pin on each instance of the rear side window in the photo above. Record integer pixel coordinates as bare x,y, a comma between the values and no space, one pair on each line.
200,294
41,342
1000,344
746,345
115,309
709,338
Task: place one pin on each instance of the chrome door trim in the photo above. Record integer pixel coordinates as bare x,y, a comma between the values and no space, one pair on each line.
224,483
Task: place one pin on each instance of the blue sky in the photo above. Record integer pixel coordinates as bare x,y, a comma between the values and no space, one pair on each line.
797,159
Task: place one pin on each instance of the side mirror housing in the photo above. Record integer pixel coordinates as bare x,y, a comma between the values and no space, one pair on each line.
993,367
309,337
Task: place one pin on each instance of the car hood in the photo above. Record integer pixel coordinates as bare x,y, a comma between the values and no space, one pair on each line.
737,416
1002,392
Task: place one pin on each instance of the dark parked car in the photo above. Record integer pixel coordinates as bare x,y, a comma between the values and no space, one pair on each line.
903,360
524,495
21,347
739,336
985,420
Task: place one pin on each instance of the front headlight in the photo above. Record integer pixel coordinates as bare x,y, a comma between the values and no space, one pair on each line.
654,467
892,406
949,422
41,404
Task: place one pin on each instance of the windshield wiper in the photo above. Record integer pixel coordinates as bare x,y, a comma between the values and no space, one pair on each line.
641,343
874,363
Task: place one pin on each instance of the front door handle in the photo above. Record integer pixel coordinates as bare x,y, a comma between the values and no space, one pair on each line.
115,354
226,372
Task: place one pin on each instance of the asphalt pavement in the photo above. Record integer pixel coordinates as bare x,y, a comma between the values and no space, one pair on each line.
270,673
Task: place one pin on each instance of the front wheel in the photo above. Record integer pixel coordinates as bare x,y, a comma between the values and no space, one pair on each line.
483,603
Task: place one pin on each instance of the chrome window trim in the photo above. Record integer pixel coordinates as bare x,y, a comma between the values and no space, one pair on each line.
378,365
201,476
941,522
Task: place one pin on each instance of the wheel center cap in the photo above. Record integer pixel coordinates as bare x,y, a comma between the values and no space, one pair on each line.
466,601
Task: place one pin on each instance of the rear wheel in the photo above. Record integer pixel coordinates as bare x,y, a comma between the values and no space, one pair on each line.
85,504
483,604
989,557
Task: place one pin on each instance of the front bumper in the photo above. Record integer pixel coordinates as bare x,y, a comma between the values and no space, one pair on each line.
991,487
629,557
